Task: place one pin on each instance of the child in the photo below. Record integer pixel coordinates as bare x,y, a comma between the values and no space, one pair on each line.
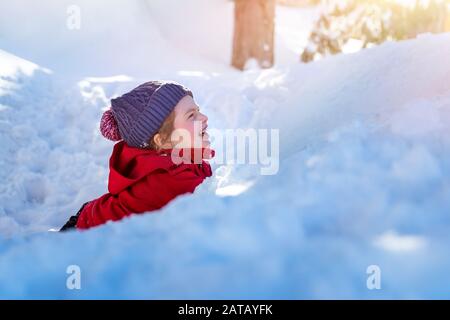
149,167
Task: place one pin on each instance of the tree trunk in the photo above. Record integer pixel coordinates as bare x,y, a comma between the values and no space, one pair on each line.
253,32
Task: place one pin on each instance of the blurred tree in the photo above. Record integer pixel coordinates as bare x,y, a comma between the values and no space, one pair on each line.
253,32
372,22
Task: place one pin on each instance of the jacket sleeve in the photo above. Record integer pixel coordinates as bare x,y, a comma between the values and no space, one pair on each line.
150,193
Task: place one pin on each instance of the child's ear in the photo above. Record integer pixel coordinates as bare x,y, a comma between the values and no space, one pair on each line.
157,140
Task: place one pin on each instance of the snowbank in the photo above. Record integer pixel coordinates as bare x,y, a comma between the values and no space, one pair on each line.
142,38
364,180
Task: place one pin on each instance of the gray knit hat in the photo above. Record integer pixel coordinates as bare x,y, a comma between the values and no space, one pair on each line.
137,115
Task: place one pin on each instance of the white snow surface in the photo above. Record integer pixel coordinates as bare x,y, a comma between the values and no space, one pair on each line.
363,177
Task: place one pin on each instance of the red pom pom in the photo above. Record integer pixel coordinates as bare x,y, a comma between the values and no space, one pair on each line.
109,127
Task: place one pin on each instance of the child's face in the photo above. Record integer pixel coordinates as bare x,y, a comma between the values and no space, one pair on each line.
190,125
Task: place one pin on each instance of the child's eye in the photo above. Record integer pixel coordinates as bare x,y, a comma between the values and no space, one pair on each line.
191,116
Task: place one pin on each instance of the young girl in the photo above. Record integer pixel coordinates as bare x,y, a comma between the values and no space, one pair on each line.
150,165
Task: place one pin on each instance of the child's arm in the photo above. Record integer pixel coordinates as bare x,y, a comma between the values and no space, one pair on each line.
148,194
159,188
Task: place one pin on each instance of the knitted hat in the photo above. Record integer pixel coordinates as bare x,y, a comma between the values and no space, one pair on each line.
137,115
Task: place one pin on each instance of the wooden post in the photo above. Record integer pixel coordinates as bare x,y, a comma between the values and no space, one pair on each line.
253,32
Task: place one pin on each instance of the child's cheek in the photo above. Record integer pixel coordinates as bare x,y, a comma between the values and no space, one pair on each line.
188,129
193,128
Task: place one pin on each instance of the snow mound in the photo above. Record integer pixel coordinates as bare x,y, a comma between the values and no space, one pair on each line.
363,180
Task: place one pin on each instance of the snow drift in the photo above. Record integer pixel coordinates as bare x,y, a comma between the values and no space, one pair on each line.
363,180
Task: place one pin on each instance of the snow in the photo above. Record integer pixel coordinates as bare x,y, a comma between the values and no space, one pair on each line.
169,35
363,176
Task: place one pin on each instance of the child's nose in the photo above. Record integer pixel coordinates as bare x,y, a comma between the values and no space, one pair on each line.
204,117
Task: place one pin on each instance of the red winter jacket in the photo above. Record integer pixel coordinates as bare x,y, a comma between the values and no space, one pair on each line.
142,180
